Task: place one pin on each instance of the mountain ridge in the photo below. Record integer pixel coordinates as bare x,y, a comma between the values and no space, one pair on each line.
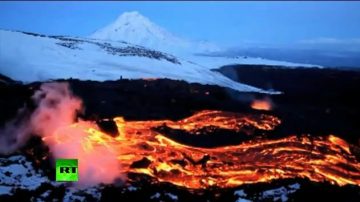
140,30
45,58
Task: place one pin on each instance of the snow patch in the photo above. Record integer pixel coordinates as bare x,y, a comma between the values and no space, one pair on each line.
156,195
168,195
280,194
18,173
132,188
172,196
241,194
88,194
5,190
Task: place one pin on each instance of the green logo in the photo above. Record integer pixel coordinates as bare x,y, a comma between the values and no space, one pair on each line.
67,170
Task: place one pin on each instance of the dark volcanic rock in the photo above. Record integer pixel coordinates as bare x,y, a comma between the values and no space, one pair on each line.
321,101
157,99
143,163
108,126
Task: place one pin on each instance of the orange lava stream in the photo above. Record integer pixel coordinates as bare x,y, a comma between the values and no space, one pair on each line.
316,158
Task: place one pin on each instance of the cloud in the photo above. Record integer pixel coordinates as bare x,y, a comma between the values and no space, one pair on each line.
346,46
331,41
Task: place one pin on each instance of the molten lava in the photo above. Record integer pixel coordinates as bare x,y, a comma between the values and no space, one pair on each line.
265,104
315,158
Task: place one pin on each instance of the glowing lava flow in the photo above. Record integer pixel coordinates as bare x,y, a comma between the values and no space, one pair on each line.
316,158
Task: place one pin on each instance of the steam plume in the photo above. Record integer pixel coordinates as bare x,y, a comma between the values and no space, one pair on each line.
57,109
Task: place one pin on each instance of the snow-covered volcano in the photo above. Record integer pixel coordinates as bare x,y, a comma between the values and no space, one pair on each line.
34,57
130,47
137,29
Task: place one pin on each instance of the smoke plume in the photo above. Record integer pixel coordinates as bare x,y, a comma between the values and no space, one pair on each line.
54,120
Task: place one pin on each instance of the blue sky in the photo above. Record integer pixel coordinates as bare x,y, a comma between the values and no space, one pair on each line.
229,23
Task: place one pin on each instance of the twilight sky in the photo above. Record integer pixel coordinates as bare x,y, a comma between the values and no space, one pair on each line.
226,23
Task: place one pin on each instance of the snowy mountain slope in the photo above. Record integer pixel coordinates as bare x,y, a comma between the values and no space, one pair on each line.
137,29
215,62
32,57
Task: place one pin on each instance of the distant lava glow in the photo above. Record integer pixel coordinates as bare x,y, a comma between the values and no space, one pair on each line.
264,104
315,158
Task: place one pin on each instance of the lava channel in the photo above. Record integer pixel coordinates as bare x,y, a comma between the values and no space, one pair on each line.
315,158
